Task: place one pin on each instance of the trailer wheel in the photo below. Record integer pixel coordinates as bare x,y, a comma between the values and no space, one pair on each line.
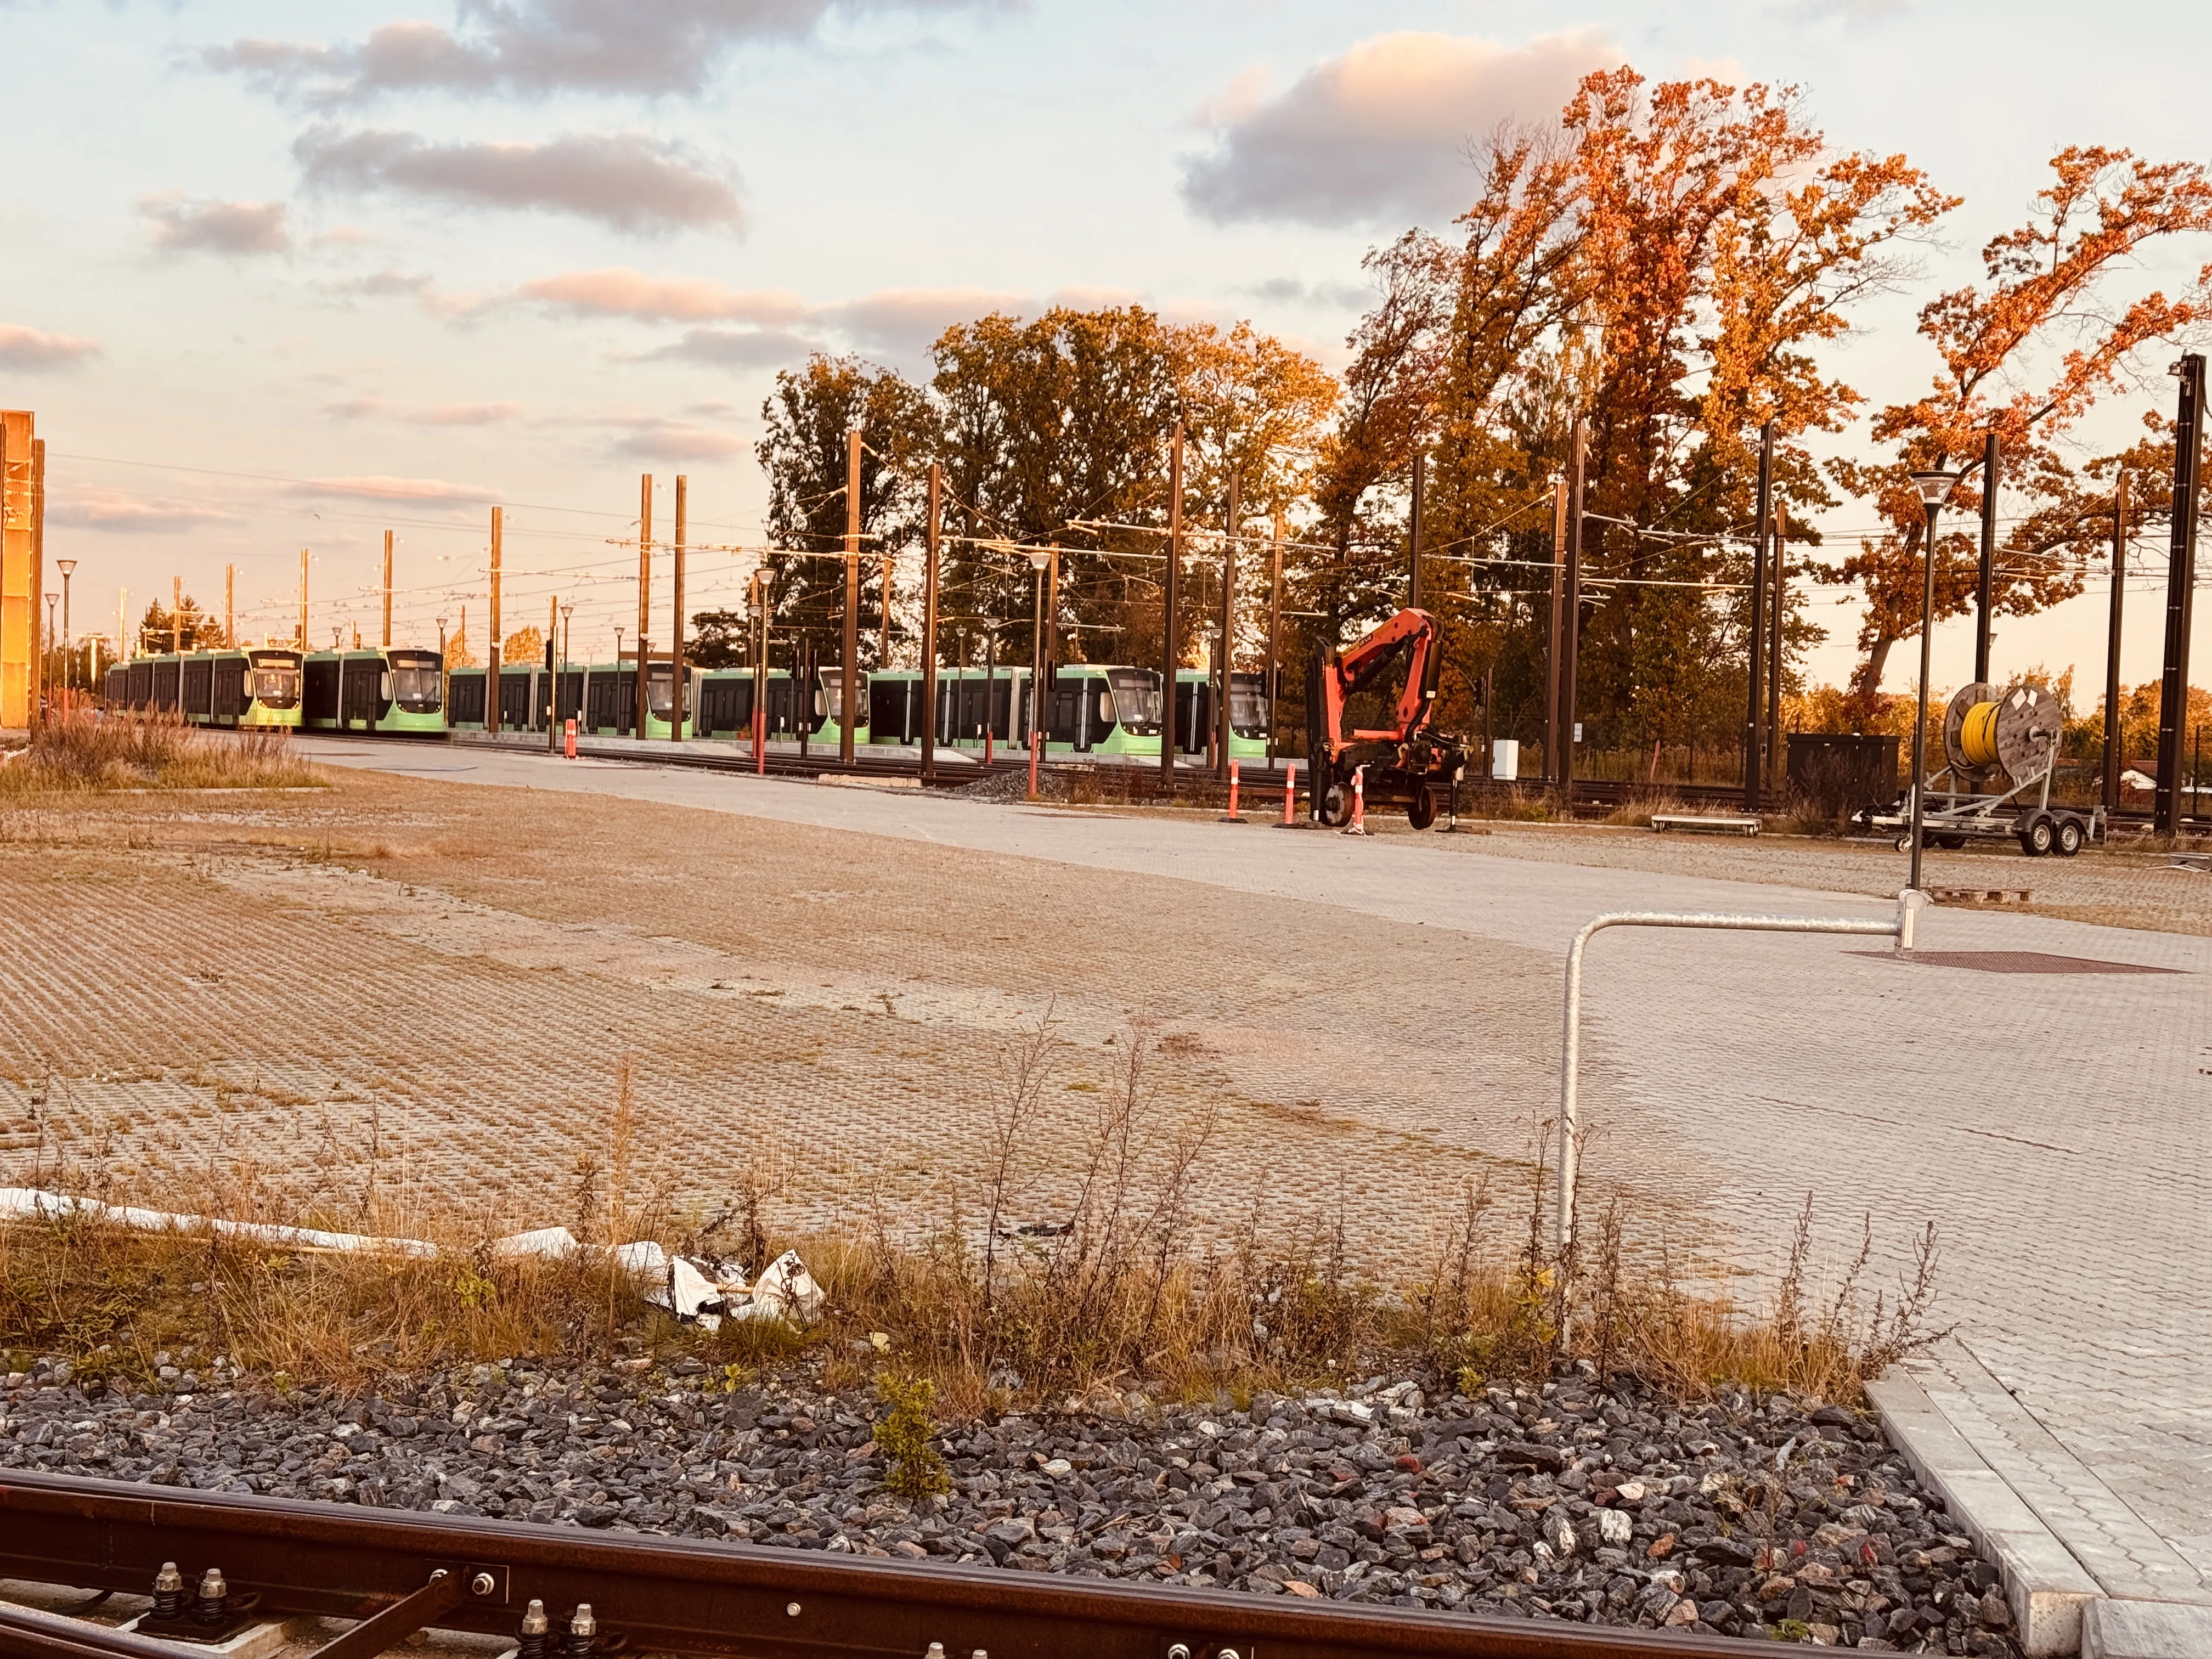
2036,839
1421,811
2069,838
1333,806
1953,842
1904,843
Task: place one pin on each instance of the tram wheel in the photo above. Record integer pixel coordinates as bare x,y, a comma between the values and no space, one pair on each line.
1421,811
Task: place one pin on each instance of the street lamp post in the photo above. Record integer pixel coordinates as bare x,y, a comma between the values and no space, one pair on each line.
53,639
1037,562
69,676
1935,486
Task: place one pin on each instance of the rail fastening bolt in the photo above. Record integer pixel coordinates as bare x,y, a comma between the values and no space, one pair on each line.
530,1640
583,1633
168,1591
482,1585
214,1597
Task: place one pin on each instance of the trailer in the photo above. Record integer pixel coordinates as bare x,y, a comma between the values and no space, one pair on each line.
2000,753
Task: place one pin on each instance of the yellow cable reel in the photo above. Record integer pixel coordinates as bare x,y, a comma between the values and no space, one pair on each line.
2014,730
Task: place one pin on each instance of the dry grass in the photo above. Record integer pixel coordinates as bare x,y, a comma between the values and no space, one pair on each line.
1518,803
88,752
1119,1292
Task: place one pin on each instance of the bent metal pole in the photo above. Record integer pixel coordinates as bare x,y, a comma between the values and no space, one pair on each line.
1901,927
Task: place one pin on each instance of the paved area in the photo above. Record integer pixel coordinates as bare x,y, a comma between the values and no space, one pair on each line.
830,975
2056,1127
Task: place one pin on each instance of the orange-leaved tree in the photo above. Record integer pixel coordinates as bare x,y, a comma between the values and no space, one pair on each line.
2026,354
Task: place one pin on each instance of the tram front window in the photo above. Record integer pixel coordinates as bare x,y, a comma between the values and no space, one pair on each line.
415,689
275,686
1136,700
660,693
1248,709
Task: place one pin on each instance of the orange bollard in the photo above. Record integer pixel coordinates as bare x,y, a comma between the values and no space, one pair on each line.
1359,824
1230,816
1289,791
568,740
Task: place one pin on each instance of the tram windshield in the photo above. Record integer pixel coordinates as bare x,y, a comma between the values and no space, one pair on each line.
1136,700
1248,706
661,690
415,687
275,681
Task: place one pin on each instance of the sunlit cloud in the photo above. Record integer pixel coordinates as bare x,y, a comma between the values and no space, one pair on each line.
530,48
214,227
627,180
1380,134
34,351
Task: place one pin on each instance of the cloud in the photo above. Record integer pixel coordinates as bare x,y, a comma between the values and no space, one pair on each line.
735,348
1322,297
625,292
355,409
906,321
34,351
533,47
654,438
385,487
122,514
1378,135
212,226
781,325
628,180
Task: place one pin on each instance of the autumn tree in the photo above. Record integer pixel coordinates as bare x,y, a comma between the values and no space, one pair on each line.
2026,353
808,417
1667,260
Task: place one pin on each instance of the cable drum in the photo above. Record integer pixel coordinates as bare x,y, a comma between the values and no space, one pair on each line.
1964,702
2016,731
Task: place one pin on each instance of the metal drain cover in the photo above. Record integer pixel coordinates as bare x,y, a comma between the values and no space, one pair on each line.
2014,961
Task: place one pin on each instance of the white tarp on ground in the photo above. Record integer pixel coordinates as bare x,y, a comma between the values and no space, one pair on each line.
695,1291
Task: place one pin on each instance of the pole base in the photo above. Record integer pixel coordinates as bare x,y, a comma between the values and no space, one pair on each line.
1297,823
1354,829
1231,817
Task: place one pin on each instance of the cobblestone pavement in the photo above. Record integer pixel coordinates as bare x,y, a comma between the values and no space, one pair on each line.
453,977
2055,1125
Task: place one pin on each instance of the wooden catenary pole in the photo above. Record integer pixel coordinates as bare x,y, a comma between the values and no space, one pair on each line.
491,652
848,694
931,544
676,622
642,708
1169,655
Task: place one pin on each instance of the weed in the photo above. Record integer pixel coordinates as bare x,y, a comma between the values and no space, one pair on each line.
917,1469
92,751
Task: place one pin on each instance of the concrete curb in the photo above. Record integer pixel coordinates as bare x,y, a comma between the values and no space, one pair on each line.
2146,1629
2045,1586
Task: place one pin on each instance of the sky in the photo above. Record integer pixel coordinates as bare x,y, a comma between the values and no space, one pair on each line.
283,276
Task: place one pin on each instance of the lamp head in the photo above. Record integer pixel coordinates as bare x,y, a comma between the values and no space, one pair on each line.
1039,560
65,566
1935,485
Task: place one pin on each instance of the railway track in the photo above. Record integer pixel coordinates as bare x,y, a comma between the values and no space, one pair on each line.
396,1573
1262,784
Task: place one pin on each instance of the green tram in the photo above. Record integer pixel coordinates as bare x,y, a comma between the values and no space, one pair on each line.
1198,702
395,690
600,697
254,688
722,705
1091,708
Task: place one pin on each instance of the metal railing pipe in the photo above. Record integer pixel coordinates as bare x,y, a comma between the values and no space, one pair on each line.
1899,928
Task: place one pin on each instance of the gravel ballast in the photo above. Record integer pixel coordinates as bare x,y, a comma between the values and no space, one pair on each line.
1565,1500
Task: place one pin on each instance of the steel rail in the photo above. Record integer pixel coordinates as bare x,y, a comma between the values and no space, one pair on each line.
684,1595
1602,793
